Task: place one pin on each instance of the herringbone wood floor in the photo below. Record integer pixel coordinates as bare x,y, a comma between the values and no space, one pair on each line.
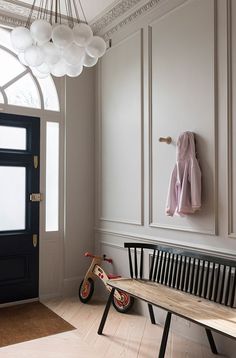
126,336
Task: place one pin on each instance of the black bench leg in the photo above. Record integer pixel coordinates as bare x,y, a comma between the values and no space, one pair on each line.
211,341
165,336
105,313
151,314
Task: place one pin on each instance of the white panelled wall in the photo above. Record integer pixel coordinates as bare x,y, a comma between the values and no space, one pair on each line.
167,72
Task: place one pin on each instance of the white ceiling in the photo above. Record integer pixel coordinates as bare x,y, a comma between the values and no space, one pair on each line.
92,8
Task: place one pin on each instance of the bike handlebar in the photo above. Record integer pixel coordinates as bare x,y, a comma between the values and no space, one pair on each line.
88,254
108,260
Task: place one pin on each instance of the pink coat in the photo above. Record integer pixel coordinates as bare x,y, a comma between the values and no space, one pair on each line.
184,194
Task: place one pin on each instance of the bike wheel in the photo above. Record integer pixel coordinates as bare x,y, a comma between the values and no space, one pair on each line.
124,305
86,290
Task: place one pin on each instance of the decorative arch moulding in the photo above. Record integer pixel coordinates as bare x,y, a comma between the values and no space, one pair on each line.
111,21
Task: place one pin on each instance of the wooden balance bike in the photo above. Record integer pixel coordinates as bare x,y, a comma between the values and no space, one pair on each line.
121,300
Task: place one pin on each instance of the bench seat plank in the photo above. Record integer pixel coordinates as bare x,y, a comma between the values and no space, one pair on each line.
199,310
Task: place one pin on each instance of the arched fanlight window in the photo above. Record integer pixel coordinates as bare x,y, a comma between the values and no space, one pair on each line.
18,86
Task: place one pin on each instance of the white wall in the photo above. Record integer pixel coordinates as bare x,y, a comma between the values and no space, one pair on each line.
79,181
166,73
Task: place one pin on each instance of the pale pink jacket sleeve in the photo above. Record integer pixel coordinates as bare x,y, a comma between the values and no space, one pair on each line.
195,181
172,199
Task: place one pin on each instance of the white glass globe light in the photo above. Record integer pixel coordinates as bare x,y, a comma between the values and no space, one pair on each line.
89,61
34,56
62,36
41,31
82,34
21,57
74,54
74,71
59,69
51,53
21,38
96,47
44,68
39,74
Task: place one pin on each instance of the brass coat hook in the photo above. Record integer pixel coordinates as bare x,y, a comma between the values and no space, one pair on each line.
166,140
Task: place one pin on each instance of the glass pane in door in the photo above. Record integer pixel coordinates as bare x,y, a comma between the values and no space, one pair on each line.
52,177
12,198
12,138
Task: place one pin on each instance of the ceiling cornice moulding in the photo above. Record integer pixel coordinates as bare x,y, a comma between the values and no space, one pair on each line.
108,17
148,6
12,14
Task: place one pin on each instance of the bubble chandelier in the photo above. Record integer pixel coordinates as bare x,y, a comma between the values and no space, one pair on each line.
49,45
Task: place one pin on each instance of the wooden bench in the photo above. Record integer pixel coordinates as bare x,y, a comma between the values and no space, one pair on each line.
197,287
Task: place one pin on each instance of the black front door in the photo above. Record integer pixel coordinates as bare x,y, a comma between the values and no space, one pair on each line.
19,215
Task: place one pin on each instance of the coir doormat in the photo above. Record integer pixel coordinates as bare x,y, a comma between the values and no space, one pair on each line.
29,321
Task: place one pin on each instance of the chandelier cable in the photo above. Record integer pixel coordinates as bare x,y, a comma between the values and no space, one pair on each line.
51,12
56,10
68,12
71,14
59,7
30,15
83,11
45,9
40,10
76,12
